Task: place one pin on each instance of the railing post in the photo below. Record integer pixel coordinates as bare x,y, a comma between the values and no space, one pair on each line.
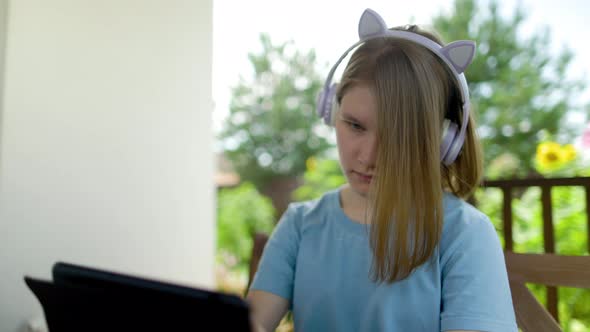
507,217
549,242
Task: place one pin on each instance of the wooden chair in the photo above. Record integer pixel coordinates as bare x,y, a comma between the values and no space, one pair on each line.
546,269
259,243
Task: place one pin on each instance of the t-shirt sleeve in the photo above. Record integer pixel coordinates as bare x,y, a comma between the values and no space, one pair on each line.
276,269
475,289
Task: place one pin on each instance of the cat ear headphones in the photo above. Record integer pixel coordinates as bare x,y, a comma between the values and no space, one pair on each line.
456,55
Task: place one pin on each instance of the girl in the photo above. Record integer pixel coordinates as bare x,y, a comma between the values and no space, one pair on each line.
397,248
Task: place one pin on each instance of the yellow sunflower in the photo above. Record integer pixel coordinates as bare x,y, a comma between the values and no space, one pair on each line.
569,152
550,155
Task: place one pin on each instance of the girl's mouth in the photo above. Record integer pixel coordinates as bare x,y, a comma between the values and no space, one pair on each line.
364,177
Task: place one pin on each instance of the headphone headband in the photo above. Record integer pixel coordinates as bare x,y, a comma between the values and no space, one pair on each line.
456,55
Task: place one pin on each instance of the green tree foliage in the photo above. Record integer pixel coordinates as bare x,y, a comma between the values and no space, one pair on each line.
321,176
519,88
271,129
241,212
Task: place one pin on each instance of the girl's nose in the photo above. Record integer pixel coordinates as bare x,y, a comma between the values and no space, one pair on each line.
368,151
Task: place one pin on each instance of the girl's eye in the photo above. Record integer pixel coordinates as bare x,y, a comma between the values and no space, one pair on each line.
355,126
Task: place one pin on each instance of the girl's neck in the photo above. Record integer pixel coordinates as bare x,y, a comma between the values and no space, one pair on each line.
354,205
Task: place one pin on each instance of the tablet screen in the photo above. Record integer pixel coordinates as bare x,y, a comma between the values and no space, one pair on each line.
82,298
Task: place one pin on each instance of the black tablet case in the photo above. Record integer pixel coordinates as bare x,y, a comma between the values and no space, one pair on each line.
88,299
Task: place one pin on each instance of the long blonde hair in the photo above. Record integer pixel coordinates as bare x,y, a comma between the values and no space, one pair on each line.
415,91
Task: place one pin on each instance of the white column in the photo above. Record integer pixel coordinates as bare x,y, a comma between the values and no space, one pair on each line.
106,146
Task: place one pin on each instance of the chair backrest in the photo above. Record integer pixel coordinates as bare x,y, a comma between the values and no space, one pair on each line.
259,243
545,269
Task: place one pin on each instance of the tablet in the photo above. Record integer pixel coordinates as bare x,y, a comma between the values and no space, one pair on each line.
82,298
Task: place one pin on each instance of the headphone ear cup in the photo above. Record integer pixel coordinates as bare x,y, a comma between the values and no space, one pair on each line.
333,106
325,103
319,106
450,130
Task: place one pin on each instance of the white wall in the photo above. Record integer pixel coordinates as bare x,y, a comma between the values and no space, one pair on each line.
3,24
106,148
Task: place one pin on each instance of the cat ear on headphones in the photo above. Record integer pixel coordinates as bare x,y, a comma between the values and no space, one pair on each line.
371,24
460,53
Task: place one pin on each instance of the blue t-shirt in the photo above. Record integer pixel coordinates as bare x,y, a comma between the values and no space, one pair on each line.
319,260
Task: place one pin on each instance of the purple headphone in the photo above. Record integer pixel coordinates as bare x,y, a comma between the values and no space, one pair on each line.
457,55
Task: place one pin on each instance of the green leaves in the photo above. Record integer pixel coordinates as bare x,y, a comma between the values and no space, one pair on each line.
519,87
321,176
271,128
241,212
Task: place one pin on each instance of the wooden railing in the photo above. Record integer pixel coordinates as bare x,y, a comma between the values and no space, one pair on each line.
546,269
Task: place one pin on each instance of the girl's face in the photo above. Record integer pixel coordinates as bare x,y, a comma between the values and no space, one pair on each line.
356,134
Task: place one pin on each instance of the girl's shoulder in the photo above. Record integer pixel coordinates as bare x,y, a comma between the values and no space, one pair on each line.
313,211
464,223
459,213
